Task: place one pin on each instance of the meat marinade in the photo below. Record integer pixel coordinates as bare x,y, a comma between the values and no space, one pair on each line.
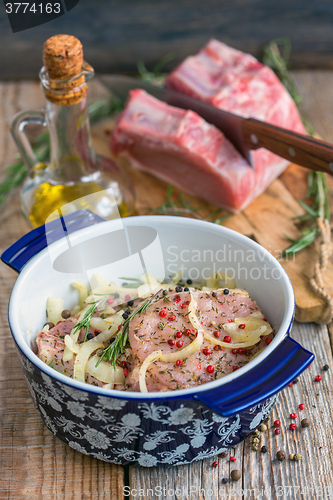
235,331
181,148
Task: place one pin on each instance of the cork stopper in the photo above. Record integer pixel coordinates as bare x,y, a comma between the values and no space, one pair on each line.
63,60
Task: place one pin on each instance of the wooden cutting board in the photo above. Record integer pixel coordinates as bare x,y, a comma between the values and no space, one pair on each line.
266,220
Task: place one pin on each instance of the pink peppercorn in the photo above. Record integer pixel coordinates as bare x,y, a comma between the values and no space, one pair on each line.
301,406
210,369
163,313
241,351
179,335
110,301
172,317
293,415
292,427
199,366
234,368
227,339
179,362
232,459
187,332
179,344
277,431
318,378
234,351
268,341
171,342
125,371
242,326
216,334
277,423
206,352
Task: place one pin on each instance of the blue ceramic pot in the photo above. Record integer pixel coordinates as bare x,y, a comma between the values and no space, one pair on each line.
149,429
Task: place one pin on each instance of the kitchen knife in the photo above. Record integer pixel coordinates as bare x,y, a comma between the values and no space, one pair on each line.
246,134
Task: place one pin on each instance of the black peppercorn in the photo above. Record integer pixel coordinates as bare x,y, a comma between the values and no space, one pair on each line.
295,381
326,368
225,480
66,314
125,315
264,449
186,289
49,324
189,282
90,336
226,291
214,294
130,303
116,295
281,455
179,288
235,475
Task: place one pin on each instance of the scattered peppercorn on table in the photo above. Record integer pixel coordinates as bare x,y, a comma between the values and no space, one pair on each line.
290,456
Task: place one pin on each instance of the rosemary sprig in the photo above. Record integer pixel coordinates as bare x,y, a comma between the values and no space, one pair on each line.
85,321
183,206
117,347
317,187
157,76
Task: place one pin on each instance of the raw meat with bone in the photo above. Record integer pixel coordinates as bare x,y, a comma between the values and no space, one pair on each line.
182,149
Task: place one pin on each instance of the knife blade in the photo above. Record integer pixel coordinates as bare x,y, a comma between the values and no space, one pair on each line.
246,134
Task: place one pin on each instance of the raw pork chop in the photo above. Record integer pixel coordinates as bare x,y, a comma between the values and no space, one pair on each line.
182,149
146,336
237,82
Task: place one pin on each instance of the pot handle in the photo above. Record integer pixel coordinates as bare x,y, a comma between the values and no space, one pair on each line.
287,361
20,252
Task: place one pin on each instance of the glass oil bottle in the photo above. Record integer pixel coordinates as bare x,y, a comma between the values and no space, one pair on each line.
74,170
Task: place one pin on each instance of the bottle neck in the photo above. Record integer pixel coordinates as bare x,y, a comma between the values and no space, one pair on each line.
71,151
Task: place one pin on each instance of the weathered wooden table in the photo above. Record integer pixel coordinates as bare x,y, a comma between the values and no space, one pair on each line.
34,464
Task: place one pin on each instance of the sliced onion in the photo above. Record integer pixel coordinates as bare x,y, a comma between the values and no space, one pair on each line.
72,346
193,346
108,386
255,327
213,281
107,311
215,341
83,292
155,355
105,372
54,308
99,323
82,358
109,332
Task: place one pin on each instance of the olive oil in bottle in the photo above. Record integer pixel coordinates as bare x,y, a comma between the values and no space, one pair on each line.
74,171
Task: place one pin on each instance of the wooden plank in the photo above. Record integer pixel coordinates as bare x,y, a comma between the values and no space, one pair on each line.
117,33
263,473
33,463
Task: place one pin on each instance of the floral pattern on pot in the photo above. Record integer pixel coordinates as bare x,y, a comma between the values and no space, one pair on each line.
122,431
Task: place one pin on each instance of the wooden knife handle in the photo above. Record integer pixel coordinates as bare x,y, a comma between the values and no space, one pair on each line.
297,148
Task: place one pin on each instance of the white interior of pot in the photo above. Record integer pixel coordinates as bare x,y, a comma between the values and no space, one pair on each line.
198,248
